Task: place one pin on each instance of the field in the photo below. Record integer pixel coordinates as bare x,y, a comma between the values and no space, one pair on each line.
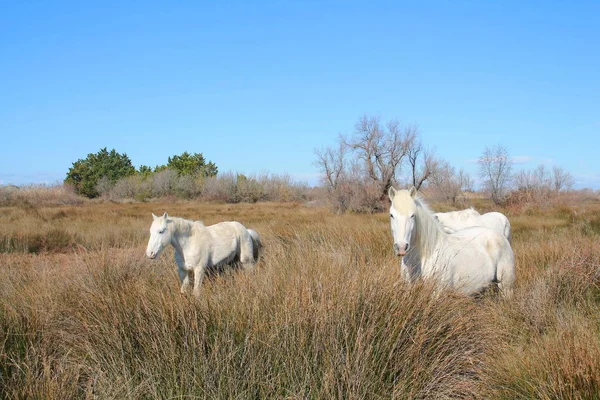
323,316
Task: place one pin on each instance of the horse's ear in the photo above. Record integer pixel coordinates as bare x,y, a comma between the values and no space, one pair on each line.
413,192
154,216
391,192
165,216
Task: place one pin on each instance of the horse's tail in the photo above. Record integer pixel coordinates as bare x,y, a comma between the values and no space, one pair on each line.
507,231
256,243
505,273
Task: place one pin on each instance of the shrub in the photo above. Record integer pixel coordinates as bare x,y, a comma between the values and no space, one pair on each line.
222,188
85,174
163,183
192,164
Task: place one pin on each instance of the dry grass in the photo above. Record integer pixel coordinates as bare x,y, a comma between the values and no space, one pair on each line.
39,195
85,315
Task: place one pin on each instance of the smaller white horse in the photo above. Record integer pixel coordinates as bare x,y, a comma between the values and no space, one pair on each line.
469,260
198,247
456,220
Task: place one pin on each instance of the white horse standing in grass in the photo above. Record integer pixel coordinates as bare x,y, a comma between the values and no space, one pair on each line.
457,220
468,260
198,247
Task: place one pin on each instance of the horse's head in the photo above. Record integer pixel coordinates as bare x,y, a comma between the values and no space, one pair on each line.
160,236
402,218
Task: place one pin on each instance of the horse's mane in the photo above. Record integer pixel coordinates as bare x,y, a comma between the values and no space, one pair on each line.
184,226
429,230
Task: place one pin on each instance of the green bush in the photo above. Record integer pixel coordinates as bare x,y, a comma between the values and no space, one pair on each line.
192,164
85,174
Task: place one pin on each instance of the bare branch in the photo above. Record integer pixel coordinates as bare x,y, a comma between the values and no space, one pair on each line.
562,180
495,169
422,162
446,184
381,149
331,164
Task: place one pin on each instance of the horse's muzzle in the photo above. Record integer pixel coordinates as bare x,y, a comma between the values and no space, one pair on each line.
151,255
400,250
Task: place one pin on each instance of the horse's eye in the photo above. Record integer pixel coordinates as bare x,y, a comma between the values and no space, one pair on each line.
161,231
412,216
392,216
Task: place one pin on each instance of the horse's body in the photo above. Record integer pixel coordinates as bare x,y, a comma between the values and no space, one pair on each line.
469,260
456,220
199,247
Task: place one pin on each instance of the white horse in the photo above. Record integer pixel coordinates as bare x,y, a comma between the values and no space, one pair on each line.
198,247
457,220
469,260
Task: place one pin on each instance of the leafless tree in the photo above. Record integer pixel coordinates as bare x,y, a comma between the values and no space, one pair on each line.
467,183
332,164
446,184
495,169
562,180
524,181
542,177
422,162
380,149
542,183
359,172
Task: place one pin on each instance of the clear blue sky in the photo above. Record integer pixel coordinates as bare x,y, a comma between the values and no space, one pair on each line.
257,86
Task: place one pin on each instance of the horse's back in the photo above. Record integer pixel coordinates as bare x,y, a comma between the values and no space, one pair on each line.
485,237
225,240
226,229
455,220
458,220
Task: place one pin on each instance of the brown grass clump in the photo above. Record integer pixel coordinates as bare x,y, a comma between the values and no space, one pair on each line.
323,315
38,195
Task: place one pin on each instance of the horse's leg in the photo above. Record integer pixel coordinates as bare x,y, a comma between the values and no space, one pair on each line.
184,276
198,276
185,280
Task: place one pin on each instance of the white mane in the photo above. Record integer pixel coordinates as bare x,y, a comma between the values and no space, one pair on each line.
182,226
429,231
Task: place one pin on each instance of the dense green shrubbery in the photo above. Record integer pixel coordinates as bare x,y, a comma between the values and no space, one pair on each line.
192,165
85,174
106,171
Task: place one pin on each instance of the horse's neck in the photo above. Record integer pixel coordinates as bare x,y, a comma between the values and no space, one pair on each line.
430,235
182,232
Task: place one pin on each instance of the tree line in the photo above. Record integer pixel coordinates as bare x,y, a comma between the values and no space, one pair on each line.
356,174
358,171
89,176
112,176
